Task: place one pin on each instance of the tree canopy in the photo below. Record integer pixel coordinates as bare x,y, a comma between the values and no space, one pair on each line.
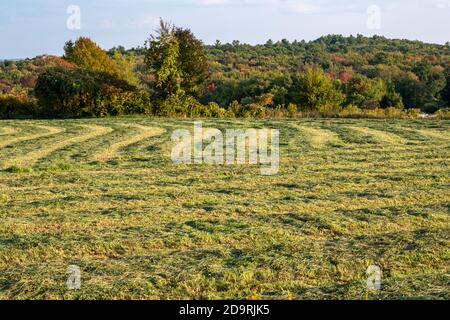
88,55
313,89
178,61
180,75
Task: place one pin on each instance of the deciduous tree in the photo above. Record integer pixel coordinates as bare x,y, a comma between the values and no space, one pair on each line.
88,55
314,89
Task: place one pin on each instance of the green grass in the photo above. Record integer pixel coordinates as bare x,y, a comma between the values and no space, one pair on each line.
103,194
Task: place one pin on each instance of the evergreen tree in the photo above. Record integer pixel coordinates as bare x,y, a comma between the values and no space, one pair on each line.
163,60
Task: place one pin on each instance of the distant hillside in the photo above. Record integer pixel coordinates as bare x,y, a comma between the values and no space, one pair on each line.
412,74
417,70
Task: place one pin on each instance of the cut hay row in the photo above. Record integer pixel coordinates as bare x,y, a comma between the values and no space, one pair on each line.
113,150
434,134
207,133
50,131
379,136
33,157
417,185
319,138
5,131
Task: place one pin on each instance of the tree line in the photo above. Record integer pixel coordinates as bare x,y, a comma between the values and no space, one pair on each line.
175,74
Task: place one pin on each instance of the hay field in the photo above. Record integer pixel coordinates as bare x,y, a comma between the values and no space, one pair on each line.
104,195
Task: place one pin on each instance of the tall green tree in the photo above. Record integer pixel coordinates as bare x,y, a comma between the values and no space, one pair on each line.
314,89
125,66
178,61
193,62
446,91
432,83
163,60
392,98
365,93
409,86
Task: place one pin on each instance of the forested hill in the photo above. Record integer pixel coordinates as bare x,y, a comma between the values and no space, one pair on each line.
417,70
337,44
331,72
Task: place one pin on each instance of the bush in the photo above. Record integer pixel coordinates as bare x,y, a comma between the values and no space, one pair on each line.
13,107
350,111
74,93
413,113
182,105
377,113
392,112
292,110
116,102
278,112
329,111
443,114
216,111
179,105
431,107
236,109
254,111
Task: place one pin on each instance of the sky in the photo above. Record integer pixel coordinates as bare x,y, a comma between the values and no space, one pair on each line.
33,27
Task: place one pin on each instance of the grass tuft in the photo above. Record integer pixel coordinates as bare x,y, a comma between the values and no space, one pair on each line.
18,169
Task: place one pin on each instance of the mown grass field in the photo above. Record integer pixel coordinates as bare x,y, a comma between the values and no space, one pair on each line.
103,194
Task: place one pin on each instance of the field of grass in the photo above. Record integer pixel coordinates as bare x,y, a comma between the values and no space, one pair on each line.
104,195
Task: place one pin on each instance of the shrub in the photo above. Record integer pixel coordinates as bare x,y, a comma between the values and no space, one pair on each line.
183,105
431,107
330,111
443,114
236,109
292,110
278,112
216,111
254,111
374,113
413,113
179,105
13,107
115,102
78,92
392,112
350,111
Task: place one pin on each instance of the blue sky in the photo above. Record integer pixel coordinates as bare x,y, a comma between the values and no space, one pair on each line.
32,27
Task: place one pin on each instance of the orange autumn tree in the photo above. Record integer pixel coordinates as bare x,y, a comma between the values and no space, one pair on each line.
86,54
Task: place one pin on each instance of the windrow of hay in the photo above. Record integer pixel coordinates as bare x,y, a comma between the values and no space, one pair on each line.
434,134
319,138
207,134
114,149
5,131
50,131
380,136
34,156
